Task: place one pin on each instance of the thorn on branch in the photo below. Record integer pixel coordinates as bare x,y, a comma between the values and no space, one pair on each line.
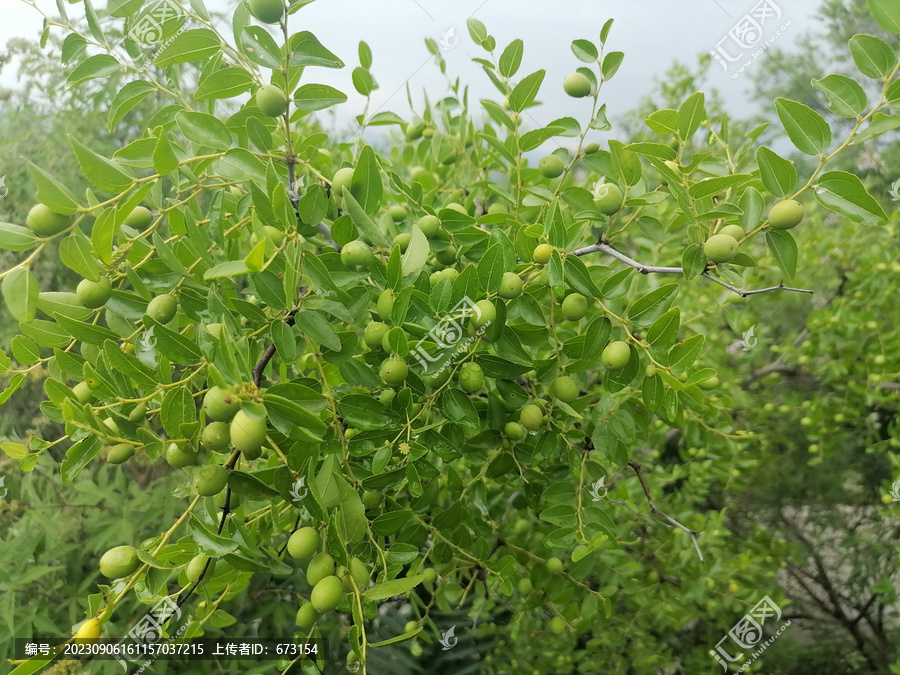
656,511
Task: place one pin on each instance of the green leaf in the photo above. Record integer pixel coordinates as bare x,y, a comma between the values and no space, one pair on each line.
844,193
611,63
25,351
102,234
778,174
872,55
686,352
396,587
20,292
806,128
210,543
845,96
524,93
584,50
712,186
477,31
83,331
317,328
172,345
285,341
260,47
241,165
511,58
224,83
93,67
311,97
651,306
78,457
306,50
51,192
886,14
457,407
191,45
690,115
366,413
784,250
416,254
579,277
663,121
204,129
126,99
177,408
16,238
165,161
366,186
693,261
490,268
664,330
76,253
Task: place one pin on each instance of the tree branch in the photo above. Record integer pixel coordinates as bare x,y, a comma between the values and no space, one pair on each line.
600,247
655,510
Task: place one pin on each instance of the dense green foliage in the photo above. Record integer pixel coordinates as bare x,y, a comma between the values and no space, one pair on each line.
602,479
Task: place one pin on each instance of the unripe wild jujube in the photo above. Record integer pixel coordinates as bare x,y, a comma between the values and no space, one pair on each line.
210,480
471,377
486,313
321,566
139,218
720,248
514,431
551,166
394,371
119,453
162,308
267,11
616,355
215,437
119,562
93,294
306,615
565,389
196,566
610,200
83,393
341,181
248,433
542,253
271,100
180,457
554,565
357,255
430,225
374,333
304,542
326,594
786,214
531,417
510,286
220,404
735,231
402,240
574,307
45,222
577,85
385,304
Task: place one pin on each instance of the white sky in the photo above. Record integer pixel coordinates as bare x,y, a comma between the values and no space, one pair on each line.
652,33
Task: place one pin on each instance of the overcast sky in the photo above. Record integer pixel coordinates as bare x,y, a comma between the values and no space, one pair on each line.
652,33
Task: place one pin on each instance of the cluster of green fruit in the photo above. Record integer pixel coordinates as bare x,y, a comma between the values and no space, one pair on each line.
722,247
232,425
329,581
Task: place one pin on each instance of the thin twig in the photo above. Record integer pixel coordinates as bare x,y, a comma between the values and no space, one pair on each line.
600,247
655,510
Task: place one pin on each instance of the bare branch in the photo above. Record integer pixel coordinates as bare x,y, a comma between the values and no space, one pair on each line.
655,510
600,247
